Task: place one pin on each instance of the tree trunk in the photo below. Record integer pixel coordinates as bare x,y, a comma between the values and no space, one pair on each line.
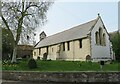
14,60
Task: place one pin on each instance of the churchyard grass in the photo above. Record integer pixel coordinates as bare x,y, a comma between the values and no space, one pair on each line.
61,66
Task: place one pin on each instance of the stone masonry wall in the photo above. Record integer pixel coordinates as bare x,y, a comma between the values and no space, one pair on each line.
62,76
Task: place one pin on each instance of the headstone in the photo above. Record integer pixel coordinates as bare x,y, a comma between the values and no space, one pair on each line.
101,64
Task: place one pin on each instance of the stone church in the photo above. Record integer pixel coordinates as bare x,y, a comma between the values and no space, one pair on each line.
88,41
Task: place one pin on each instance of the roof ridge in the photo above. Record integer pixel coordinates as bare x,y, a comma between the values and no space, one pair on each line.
95,22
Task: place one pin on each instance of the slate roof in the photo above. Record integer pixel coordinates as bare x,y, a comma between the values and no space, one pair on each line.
76,32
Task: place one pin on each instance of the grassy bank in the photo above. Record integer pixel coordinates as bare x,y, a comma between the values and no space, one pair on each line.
62,66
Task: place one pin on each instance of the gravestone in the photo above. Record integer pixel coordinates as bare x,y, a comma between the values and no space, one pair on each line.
101,64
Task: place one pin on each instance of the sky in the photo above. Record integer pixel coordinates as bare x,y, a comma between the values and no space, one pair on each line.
65,15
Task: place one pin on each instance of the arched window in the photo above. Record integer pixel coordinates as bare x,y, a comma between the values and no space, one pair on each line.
80,43
34,53
104,39
63,46
100,36
68,45
97,38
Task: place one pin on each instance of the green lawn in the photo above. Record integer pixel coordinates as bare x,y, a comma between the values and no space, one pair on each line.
62,66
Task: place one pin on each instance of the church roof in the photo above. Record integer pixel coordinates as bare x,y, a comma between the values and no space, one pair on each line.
77,32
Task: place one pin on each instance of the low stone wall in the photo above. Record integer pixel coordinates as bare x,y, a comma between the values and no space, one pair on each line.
62,76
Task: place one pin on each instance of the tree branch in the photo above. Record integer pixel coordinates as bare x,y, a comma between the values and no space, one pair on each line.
33,6
5,22
27,14
20,21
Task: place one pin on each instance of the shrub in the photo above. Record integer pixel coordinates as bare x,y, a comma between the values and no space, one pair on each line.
32,64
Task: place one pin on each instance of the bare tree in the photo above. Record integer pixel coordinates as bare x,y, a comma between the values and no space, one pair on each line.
21,18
